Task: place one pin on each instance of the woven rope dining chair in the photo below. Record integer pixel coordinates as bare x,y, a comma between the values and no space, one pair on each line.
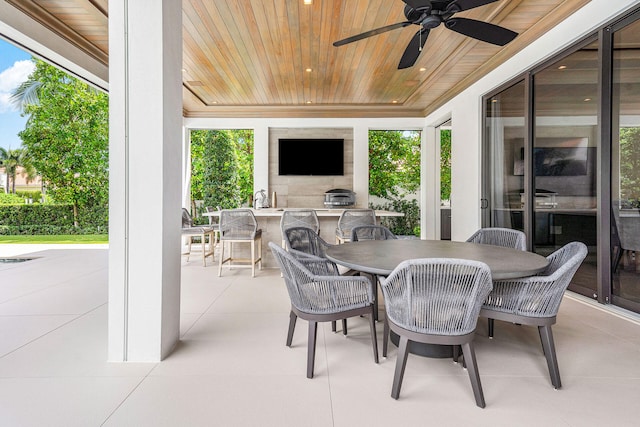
323,298
305,240
299,218
351,218
240,226
507,237
371,232
203,233
535,300
435,301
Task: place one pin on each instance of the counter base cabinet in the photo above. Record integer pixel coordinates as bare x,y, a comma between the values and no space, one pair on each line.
445,223
572,228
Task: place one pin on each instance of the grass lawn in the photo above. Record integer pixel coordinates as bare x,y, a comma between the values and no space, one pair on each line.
90,238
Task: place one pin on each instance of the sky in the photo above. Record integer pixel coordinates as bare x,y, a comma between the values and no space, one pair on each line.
15,67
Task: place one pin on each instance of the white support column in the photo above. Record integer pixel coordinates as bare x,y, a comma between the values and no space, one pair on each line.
429,185
145,137
261,158
361,165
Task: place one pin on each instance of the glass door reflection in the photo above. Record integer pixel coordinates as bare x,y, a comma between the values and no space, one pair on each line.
625,177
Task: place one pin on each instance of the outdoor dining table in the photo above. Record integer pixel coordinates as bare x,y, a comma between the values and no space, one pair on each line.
381,257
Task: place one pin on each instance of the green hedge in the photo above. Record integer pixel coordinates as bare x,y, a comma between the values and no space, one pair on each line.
407,225
50,219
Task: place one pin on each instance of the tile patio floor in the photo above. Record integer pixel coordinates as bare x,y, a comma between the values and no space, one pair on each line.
232,368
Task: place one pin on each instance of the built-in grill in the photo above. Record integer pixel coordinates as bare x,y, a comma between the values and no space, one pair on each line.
339,198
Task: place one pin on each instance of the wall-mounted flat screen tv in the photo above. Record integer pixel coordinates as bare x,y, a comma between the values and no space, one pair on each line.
310,156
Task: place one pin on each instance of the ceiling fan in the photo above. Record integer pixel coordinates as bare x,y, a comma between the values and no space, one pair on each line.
429,14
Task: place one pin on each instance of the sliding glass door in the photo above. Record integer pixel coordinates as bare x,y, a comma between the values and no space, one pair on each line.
565,159
625,165
504,147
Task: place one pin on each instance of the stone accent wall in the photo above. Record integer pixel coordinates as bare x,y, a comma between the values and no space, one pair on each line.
307,191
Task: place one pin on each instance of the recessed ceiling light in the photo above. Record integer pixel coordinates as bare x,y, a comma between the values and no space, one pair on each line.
562,67
308,102
587,99
422,69
394,101
308,70
308,1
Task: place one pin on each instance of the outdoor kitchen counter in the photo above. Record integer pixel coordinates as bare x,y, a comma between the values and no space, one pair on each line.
277,213
269,221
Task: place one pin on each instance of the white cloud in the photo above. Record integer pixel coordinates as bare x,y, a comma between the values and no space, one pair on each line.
10,79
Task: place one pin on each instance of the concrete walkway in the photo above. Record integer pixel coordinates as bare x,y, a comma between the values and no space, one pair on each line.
12,250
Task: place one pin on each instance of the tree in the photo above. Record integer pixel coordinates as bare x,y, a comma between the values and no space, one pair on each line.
214,169
12,160
66,136
394,163
445,164
394,174
221,167
243,142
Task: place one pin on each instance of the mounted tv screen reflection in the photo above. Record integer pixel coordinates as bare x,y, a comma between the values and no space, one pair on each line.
557,161
560,161
311,157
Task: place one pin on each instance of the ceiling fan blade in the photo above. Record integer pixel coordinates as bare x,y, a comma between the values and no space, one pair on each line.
371,33
480,30
413,49
418,3
460,5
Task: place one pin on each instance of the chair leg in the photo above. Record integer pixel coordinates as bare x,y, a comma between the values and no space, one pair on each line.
203,241
333,326
456,353
311,348
490,327
385,337
292,327
221,258
401,363
469,355
253,258
374,337
344,326
549,348
374,283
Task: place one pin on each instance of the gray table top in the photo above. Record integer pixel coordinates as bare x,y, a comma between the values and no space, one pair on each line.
382,256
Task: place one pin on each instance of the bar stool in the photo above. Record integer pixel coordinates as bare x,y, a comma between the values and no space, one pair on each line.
240,226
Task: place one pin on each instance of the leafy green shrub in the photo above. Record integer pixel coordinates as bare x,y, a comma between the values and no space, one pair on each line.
35,195
10,199
407,225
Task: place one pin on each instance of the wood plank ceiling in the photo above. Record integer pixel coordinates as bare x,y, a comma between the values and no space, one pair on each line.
275,58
